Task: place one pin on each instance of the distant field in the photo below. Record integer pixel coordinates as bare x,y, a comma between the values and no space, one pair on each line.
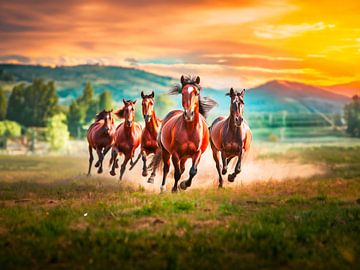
52,216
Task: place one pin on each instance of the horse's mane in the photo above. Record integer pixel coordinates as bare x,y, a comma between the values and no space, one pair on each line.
120,112
100,116
205,103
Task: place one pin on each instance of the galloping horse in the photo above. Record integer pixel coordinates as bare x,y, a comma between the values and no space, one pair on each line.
100,136
184,134
231,136
127,136
149,134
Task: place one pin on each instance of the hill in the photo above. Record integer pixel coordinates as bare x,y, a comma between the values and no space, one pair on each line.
273,96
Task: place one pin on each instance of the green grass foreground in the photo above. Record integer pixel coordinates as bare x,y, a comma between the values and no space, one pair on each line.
53,217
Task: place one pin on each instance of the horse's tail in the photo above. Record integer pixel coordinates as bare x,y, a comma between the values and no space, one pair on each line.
156,162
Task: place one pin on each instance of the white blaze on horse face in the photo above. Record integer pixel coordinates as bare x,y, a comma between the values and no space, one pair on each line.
190,89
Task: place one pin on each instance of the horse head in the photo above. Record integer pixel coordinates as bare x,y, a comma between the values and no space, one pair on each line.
106,116
127,112
237,106
147,105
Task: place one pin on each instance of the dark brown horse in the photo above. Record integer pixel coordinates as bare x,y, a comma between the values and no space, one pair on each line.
184,133
100,136
230,136
127,136
149,134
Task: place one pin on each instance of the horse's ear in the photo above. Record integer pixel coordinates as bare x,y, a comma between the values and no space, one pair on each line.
242,94
232,92
142,94
182,79
124,101
152,94
197,80
134,102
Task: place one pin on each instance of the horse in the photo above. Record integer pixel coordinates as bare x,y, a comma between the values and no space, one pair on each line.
127,136
184,133
100,137
230,136
149,134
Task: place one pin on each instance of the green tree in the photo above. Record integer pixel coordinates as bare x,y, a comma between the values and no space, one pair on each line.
16,104
87,95
352,117
34,104
105,101
75,117
57,132
91,111
8,129
164,103
3,105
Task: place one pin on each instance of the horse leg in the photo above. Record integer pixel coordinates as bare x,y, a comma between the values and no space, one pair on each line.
153,173
166,161
177,173
113,161
193,171
101,157
123,166
133,163
231,177
217,162
144,169
224,162
91,158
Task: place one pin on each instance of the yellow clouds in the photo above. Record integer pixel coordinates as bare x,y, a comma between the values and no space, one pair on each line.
288,30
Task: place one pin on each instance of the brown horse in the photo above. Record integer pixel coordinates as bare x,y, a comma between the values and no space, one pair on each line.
184,134
100,136
127,136
231,136
149,134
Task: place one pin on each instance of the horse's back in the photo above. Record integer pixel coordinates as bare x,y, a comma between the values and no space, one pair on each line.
216,131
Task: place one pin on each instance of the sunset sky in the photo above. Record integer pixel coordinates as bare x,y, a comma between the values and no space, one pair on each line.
239,43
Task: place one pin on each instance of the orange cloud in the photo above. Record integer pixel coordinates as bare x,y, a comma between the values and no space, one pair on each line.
243,42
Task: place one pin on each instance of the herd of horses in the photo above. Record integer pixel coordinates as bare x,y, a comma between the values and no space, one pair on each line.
181,135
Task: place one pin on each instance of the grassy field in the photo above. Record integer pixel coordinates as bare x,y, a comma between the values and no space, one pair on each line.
52,216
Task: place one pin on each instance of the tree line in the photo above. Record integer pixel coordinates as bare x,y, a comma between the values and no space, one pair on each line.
36,105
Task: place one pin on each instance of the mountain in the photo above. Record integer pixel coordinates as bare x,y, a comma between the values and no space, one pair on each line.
346,89
273,96
276,96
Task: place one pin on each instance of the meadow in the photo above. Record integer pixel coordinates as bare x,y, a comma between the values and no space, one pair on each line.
54,217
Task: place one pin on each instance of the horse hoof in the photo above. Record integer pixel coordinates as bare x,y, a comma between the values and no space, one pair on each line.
231,177
112,173
162,188
174,190
220,186
100,170
151,180
88,175
144,173
183,185
224,171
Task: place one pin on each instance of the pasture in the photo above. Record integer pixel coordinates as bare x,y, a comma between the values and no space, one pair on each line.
53,216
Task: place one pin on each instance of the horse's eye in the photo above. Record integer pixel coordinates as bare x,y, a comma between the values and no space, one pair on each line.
132,109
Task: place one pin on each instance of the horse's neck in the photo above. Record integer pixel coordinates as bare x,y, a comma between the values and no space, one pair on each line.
152,125
231,123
